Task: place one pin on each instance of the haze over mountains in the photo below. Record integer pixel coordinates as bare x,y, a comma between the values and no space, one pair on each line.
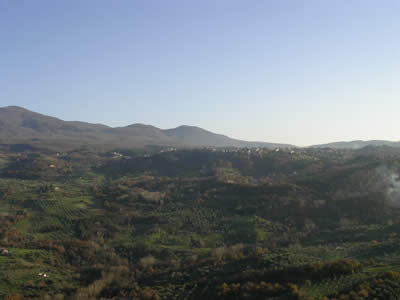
357,144
21,126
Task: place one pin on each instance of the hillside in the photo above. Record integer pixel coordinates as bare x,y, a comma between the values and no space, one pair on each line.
195,136
21,126
295,224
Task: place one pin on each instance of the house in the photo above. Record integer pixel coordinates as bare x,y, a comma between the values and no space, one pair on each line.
4,252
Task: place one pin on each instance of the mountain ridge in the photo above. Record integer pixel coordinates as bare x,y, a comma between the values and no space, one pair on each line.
19,125
357,144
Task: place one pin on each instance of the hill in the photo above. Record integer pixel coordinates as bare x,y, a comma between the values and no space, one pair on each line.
195,136
357,144
21,126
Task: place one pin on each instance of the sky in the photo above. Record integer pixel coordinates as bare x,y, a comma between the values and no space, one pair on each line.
292,71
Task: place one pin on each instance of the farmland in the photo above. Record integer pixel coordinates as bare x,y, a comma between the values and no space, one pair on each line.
189,224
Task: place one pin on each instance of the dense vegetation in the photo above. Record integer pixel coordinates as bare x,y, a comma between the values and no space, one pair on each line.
190,224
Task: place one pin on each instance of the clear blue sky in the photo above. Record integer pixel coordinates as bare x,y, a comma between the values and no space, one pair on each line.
301,72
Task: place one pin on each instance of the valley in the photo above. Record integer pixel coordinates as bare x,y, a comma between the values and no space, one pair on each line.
188,224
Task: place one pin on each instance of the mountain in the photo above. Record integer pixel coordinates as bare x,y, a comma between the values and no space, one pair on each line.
21,126
357,144
195,136
17,122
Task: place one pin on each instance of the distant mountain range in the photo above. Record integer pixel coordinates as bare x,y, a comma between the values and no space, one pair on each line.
357,144
19,126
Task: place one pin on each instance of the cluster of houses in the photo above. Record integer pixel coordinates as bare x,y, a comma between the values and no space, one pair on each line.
251,150
170,149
